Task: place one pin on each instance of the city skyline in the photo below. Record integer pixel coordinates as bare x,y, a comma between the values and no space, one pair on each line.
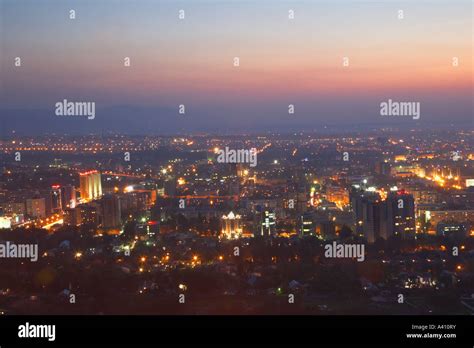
363,223
237,157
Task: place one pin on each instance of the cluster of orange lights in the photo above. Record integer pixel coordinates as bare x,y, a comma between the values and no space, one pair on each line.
88,172
442,180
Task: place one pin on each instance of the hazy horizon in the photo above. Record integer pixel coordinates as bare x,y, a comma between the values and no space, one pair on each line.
190,62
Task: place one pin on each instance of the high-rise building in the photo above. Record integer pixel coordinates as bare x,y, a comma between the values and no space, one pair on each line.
36,207
110,211
376,218
56,203
231,226
364,205
372,219
62,197
89,214
136,201
306,225
400,214
90,185
72,216
68,196
268,223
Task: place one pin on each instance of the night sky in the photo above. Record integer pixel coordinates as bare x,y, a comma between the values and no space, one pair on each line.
190,62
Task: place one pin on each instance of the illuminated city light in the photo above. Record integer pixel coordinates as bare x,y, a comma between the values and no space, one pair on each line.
231,228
